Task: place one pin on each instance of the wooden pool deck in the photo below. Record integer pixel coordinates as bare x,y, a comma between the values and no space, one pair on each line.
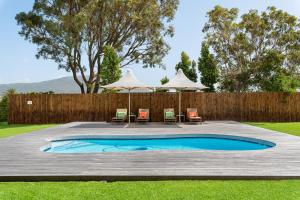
22,160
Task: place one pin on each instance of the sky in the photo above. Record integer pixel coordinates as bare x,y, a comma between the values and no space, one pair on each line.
19,64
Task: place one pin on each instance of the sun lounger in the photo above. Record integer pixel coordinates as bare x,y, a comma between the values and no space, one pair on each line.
192,115
143,115
169,115
121,115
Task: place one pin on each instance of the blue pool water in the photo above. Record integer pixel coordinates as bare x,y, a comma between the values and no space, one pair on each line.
125,145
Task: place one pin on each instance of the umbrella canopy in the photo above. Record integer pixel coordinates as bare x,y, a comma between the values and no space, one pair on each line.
181,82
128,82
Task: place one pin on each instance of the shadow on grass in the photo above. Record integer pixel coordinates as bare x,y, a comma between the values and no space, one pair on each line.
257,123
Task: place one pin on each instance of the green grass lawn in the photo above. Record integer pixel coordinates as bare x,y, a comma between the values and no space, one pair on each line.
11,130
290,128
189,190
164,190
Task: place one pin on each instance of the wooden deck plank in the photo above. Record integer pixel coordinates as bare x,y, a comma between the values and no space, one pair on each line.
20,156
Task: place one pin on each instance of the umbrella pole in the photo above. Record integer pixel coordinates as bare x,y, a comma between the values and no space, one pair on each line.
129,107
179,107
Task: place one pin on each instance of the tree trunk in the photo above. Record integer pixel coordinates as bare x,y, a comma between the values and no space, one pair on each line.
97,81
89,87
96,88
82,89
238,87
79,83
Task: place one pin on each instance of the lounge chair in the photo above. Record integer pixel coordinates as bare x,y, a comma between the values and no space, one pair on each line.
169,115
143,115
192,115
121,115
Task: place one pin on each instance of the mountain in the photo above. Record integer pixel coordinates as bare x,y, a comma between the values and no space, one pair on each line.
61,85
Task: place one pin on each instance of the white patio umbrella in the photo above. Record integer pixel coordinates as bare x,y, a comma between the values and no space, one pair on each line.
180,82
128,82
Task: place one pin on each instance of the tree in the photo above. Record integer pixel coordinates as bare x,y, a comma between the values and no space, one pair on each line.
208,68
188,67
110,70
240,46
4,105
270,76
193,72
74,33
164,80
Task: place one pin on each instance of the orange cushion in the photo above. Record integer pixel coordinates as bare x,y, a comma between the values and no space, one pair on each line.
143,114
192,114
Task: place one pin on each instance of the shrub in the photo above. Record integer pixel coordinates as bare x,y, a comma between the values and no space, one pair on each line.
4,105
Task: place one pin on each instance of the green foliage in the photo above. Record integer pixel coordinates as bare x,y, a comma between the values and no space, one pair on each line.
49,92
16,129
164,80
4,105
67,31
208,68
188,67
110,70
242,45
193,72
270,76
184,64
3,109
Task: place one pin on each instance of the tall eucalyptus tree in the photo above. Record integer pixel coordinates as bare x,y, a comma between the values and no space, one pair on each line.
74,33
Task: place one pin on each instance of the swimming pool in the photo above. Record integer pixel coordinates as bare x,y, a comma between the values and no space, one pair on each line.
96,144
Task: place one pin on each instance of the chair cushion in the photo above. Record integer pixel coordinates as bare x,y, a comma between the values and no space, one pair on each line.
143,114
192,114
120,114
169,114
